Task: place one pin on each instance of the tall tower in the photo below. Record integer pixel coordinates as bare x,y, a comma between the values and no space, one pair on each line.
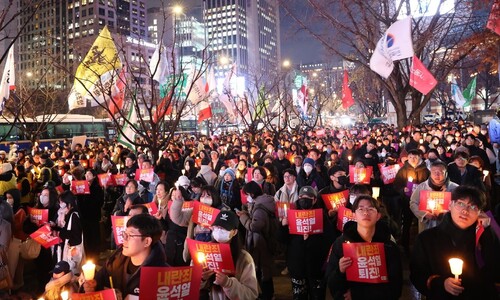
244,32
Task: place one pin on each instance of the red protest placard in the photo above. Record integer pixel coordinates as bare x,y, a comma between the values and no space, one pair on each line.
44,237
106,179
231,162
438,202
120,179
170,282
243,197
335,200
344,215
119,224
203,214
302,222
388,173
360,175
144,174
185,206
249,174
80,187
282,209
152,207
197,162
213,256
108,294
38,216
320,132
368,262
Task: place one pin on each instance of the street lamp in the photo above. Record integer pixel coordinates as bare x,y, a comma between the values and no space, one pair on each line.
286,63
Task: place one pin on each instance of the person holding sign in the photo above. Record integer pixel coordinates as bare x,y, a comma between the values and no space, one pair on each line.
141,247
306,253
366,229
438,181
460,235
243,285
129,198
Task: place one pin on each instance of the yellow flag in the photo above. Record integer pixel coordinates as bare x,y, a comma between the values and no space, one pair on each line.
96,73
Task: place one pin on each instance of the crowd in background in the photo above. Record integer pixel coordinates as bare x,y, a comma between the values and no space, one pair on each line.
291,167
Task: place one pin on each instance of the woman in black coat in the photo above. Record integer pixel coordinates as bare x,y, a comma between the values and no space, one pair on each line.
366,229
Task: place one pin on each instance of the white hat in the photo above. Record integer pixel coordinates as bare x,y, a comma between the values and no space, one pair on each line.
6,167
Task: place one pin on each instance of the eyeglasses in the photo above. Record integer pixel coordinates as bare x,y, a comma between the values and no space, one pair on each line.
460,205
126,236
287,176
366,210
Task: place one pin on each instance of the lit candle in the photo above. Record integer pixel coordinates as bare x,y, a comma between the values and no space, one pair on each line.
200,257
456,265
431,204
64,295
329,163
409,186
88,270
88,156
349,158
118,167
376,191
421,141
33,171
183,171
285,213
485,174
46,148
60,172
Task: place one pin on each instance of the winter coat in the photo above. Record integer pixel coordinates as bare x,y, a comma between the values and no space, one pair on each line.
8,181
494,130
116,267
337,281
90,205
314,179
429,266
120,203
207,174
472,176
288,197
419,174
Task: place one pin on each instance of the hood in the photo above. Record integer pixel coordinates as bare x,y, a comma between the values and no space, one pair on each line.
205,169
267,201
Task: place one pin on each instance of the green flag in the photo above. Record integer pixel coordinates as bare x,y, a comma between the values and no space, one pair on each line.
470,92
262,104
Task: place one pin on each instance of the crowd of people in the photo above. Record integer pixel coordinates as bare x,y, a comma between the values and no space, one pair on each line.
248,178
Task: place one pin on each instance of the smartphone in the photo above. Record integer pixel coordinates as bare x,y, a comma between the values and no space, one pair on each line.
236,209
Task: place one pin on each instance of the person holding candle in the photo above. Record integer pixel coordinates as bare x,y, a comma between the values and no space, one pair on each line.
438,181
459,235
62,280
141,247
415,168
367,229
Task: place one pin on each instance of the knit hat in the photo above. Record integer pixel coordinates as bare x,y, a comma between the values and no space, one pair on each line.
230,172
308,160
6,167
226,219
183,181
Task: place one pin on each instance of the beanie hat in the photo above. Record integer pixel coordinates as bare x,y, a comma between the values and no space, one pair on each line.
230,172
308,160
183,181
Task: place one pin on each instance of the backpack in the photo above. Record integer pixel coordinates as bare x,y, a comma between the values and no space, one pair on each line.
271,236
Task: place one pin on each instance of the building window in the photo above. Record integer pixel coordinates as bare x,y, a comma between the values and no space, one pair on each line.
102,12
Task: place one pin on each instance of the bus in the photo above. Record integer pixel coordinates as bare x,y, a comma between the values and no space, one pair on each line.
60,127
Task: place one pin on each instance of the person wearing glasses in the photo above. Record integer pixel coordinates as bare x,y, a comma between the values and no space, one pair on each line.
366,229
459,235
141,247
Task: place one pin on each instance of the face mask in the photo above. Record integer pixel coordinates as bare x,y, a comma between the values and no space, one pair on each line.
63,205
206,200
484,132
221,235
308,169
328,150
44,200
305,203
432,159
343,180
352,198
221,173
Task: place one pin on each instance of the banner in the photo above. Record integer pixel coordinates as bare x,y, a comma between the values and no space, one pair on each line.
335,200
152,208
78,139
44,237
282,209
420,78
144,174
347,100
38,216
438,202
170,283
213,256
107,294
302,222
203,214
80,187
360,175
388,173
368,262
106,179
119,224
344,215
120,179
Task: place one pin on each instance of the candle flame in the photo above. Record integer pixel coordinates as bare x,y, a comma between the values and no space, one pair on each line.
410,179
200,256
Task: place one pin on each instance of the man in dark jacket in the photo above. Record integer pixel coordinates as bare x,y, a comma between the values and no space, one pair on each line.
141,247
461,172
415,168
460,235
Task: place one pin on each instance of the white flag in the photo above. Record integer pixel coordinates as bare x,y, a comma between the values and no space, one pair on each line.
394,45
456,94
158,66
128,132
8,82
198,90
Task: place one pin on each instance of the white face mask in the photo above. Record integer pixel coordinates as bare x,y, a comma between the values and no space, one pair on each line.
221,235
249,199
221,173
352,198
206,200
44,200
63,205
308,169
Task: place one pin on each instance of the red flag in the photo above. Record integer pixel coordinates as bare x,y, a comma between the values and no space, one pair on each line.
302,98
205,111
118,95
494,19
347,100
163,109
420,78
